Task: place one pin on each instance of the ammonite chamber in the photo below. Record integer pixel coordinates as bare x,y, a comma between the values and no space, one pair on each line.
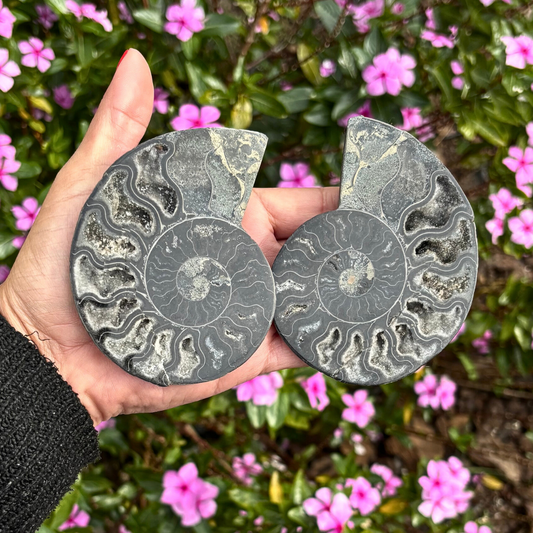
165,280
372,291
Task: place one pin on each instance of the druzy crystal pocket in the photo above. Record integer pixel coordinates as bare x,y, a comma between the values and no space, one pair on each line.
166,281
372,291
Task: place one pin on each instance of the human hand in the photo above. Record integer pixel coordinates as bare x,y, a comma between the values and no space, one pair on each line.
36,297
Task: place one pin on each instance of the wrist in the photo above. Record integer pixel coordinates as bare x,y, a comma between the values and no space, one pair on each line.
47,347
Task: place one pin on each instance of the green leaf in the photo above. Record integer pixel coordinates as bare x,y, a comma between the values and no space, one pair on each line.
347,60
256,414
245,498
276,413
6,245
62,512
347,103
309,63
151,18
374,43
329,13
296,100
319,115
28,170
220,26
59,6
267,104
300,489
470,368
196,81
297,514
58,65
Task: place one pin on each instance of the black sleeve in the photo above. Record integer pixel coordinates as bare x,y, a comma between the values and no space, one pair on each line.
46,435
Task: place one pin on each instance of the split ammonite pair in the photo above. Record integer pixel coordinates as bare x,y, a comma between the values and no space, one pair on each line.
172,289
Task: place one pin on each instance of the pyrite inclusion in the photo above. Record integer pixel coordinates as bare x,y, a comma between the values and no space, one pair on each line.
165,280
372,291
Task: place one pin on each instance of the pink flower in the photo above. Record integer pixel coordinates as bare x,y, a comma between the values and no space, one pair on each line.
389,72
122,529
89,11
77,518
529,131
203,505
495,228
521,162
7,167
4,272
46,16
482,344
63,97
189,496
7,19
26,213
338,433
6,150
327,68
472,527
180,486
436,40
504,202
35,54
456,67
522,228
315,386
519,51
363,111
431,22
458,471
106,424
334,520
246,467
360,410
191,117
397,8
427,391
297,175
124,13
363,497
411,118
391,481
8,70
443,491
362,13
262,390
184,19
259,521
320,503
285,86
462,329
161,101
18,241
446,393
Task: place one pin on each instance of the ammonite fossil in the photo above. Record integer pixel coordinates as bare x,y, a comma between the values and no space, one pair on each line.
166,281
372,291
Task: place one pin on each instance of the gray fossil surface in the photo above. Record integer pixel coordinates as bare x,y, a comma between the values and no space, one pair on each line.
372,291
166,281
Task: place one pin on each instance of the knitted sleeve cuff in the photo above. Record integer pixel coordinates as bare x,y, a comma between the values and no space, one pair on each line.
46,435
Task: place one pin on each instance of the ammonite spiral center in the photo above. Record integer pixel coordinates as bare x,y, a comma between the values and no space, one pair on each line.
357,279
197,275
362,281
185,284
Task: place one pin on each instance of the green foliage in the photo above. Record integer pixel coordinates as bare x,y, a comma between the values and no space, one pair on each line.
259,64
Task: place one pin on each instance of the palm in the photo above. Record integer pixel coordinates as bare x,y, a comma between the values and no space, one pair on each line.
37,294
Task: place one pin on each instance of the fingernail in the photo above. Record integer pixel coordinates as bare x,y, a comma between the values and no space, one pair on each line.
123,56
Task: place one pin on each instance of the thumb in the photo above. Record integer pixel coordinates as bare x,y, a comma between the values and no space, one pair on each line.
118,126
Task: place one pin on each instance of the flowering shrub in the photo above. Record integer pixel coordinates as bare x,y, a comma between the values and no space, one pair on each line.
294,451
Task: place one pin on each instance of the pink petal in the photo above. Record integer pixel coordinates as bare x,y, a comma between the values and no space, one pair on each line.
184,34
29,60
48,53
5,83
11,69
43,64
25,47
36,43
9,182
207,508
179,123
209,114
188,472
286,172
189,112
348,399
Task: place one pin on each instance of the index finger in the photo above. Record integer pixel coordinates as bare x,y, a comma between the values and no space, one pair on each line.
288,209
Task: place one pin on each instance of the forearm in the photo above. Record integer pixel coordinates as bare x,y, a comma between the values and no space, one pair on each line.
46,435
